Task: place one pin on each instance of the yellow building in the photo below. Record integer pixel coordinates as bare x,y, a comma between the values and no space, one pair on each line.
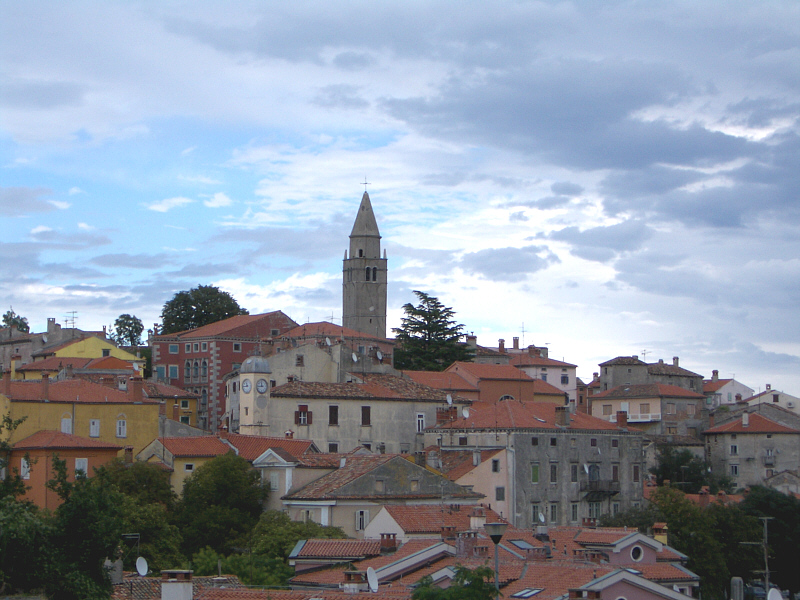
90,347
183,455
80,407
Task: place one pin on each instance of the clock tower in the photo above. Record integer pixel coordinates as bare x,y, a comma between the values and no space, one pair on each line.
254,388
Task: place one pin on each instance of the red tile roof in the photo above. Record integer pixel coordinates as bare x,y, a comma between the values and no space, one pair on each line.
162,390
110,363
457,463
197,446
513,414
757,424
427,518
709,385
623,360
55,363
493,372
441,380
556,578
664,571
54,440
331,330
648,390
661,368
69,390
386,387
250,447
326,548
239,326
526,360
604,535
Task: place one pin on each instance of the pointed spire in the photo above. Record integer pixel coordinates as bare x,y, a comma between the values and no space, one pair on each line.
365,224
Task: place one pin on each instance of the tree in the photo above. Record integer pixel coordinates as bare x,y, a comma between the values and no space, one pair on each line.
145,482
251,569
428,338
12,319
24,543
199,306
276,534
468,584
221,503
684,469
11,484
127,330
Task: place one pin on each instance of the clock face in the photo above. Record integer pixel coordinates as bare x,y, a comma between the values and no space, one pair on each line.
246,386
261,386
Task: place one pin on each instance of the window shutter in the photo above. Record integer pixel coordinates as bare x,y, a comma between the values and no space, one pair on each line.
297,417
358,523
309,417
366,518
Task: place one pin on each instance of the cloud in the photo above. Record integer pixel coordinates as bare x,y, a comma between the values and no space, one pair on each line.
130,261
499,264
218,200
603,243
40,229
60,204
565,188
340,96
199,179
75,190
21,201
168,204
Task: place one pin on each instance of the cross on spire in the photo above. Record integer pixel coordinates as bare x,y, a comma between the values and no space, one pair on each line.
365,183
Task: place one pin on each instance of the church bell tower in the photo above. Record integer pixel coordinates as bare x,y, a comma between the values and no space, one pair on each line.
364,276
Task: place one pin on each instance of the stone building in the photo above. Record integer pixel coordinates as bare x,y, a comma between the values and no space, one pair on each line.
629,370
563,468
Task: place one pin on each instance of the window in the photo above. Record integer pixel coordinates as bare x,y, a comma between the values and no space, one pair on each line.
535,514
776,397
615,508
204,369
691,408
544,376
106,352
734,470
615,443
333,447
565,380
187,348
670,408
644,408
299,361
204,346
24,468
161,372
734,450
637,553
770,473
606,409
462,440
573,473
506,397
66,425
185,418
594,472
302,416
368,272
553,473
374,273
500,494
535,473
122,428
274,481
362,520
554,441
636,473
367,445
366,416
380,486
196,347
237,347
595,508
173,348
187,371
573,512
94,427
81,465
184,404
188,467
173,371
196,370
420,422
615,472
527,593
554,512
672,431
534,441
573,442
333,415
593,442
495,465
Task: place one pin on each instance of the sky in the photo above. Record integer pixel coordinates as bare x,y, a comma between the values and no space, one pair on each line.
603,178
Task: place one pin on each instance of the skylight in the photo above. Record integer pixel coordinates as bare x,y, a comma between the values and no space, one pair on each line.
527,593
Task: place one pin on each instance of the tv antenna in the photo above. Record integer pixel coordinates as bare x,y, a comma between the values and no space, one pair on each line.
644,353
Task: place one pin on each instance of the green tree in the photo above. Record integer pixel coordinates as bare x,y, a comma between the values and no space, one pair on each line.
642,519
24,546
145,482
159,540
276,534
221,503
12,319
11,484
197,307
428,338
251,569
468,584
684,469
127,330
783,533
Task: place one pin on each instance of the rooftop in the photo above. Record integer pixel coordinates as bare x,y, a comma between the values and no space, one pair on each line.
647,390
55,440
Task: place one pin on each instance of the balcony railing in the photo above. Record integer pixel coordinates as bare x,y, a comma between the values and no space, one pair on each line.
600,486
769,461
637,418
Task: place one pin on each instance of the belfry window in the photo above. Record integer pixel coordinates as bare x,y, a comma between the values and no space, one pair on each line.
368,271
360,252
374,273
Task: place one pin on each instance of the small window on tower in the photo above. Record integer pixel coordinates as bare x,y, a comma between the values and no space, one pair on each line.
374,273
360,252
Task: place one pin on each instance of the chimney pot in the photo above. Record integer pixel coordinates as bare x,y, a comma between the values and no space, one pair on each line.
635,357
745,420
714,375
769,386
501,345
562,416
675,361
516,343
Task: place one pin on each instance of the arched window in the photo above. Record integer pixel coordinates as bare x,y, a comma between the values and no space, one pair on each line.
374,273
196,369
187,371
594,473
367,272
204,369
506,397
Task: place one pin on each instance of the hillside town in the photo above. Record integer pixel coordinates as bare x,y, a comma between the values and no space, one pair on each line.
504,457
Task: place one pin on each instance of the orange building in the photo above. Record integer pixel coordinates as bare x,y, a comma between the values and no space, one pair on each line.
33,457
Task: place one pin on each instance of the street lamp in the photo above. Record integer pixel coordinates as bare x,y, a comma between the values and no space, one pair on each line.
496,531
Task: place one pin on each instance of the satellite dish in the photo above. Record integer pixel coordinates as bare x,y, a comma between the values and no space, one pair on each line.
379,354
372,579
328,341
774,594
44,338
586,467
141,566
541,517
465,412
355,357
449,400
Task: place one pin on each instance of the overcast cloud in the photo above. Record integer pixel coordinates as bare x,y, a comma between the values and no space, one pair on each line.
606,177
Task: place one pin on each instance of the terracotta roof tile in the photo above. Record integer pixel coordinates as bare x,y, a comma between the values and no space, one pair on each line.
648,390
441,380
664,571
757,424
239,326
526,360
55,363
556,578
661,368
162,390
327,548
710,385
623,360
196,446
426,518
109,363
493,372
56,440
250,447
331,330
69,390
388,387
457,463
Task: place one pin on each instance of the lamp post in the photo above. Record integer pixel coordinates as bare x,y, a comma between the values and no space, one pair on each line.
496,531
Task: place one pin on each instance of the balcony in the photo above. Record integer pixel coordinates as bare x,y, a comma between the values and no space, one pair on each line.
769,461
636,418
608,487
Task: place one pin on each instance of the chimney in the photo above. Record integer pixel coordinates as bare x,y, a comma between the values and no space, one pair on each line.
562,416
516,343
162,408
675,361
7,382
388,542
738,397
769,386
135,389
476,458
70,371
128,455
477,517
745,420
714,375
176,412
711,420
661,361
622,418
176,585
501,346
635,357
288,434
45,386
472,341
434,462
595,376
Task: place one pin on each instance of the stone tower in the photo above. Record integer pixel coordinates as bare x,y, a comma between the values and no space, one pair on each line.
364,276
